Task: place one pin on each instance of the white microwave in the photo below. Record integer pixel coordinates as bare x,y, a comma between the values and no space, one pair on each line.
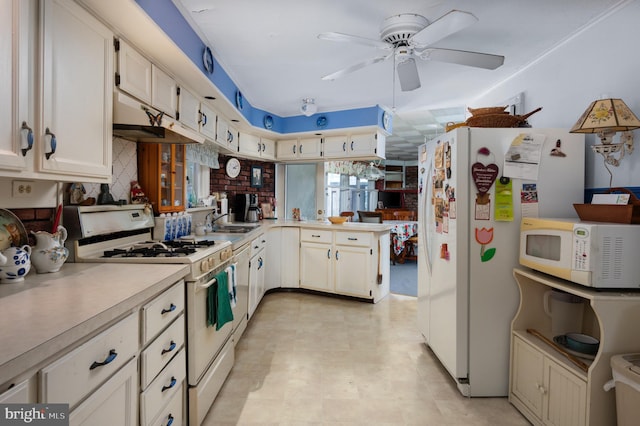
594,254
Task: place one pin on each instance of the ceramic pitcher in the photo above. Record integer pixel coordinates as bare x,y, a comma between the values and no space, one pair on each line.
49,252
15,263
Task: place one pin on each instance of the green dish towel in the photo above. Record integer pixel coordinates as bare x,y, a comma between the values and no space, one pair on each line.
224,313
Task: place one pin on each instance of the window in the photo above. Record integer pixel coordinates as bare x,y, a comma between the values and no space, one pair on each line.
300,190
347,192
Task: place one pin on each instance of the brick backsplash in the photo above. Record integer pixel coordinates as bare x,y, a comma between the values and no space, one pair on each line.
220,182
36,219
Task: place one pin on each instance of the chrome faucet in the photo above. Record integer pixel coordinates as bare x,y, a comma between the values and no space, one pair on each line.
211,223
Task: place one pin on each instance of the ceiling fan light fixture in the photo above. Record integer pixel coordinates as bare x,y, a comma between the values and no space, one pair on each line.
308,107
408,75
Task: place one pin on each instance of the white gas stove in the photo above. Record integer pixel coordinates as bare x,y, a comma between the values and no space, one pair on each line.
123,234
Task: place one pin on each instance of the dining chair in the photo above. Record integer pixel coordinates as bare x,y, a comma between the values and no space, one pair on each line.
348,215
369,217
411,246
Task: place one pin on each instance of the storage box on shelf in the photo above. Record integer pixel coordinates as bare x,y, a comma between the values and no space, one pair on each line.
545,385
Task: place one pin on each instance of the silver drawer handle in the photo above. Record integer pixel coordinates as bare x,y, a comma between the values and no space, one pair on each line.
112,355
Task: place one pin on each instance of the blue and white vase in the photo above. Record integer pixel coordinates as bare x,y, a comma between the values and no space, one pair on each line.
15,263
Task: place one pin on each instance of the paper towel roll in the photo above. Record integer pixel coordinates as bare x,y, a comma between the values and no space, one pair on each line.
224,209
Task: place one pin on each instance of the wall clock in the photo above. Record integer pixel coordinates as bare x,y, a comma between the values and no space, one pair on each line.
207,60
233,167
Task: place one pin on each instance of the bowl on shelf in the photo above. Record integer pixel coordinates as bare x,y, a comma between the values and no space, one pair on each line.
336,220
582,343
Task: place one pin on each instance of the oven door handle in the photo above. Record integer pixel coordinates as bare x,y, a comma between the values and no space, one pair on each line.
207,284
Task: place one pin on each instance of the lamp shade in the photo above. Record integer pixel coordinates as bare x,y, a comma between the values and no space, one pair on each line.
611,115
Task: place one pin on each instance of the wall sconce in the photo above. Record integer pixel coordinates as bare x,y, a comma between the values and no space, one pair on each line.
606,117
308,107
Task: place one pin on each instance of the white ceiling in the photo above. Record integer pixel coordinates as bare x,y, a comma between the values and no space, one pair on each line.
271,51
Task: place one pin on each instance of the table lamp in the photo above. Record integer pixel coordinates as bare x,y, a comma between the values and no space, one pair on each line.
606,117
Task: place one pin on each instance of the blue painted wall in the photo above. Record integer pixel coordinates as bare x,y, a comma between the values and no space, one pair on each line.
171,21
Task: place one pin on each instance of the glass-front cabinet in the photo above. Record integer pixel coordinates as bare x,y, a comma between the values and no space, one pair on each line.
162,175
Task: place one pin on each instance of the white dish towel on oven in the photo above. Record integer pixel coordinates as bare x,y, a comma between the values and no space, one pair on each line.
231,280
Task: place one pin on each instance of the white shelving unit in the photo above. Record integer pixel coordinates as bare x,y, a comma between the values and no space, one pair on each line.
545,385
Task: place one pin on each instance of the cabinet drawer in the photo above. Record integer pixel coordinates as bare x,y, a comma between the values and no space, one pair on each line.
161,311
364,239
160,351
258,244
74,375
316,236
173,413
20,393
163,388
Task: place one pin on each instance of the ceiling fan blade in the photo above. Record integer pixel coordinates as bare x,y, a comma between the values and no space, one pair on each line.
442,27
355,67
354,39
408,75
462,57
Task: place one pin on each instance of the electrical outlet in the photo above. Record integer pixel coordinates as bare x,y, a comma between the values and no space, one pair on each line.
22,189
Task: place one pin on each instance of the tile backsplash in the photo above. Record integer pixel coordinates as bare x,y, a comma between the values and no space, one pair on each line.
125,169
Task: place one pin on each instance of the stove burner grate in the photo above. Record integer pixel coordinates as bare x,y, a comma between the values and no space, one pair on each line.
154,251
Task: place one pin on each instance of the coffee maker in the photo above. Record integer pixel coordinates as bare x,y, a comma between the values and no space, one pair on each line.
247,209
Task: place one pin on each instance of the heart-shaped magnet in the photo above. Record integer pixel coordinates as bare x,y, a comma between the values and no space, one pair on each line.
484,176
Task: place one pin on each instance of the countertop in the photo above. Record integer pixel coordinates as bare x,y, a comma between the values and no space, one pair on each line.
48,312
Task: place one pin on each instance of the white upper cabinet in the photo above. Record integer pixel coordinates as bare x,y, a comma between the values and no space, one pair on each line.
15,32
143,80
256,147
361,145
77,93
134,72
164,92
189,109
207,121
226,136
63,64
303,148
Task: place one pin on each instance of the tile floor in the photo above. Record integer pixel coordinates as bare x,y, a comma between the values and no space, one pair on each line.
315,360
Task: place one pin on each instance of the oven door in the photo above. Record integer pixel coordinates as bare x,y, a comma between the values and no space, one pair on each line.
203,342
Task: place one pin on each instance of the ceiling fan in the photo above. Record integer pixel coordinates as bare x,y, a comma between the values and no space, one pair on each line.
407,36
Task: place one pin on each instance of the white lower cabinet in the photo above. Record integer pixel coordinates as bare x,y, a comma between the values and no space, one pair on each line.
257,265
114,403
83,370
337,262
20,392
163,388
549,388
552,392
284,258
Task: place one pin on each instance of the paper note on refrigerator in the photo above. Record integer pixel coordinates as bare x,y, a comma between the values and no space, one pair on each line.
522,160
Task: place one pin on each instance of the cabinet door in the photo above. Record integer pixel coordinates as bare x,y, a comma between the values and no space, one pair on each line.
256,281
77,92
335,147
232,139
363,145
135,72
527,375
268,150
350,280
189,107
287,149
207,121
114,403
14,65
310,148
249,144
222,127
164,92
565,403
290,257
316,266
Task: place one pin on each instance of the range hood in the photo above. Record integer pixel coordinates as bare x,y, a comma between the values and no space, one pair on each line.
135,121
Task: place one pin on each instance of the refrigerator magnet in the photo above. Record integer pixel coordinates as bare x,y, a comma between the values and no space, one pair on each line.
484,236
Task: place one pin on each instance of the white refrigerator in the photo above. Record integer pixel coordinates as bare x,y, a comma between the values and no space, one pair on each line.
474,186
